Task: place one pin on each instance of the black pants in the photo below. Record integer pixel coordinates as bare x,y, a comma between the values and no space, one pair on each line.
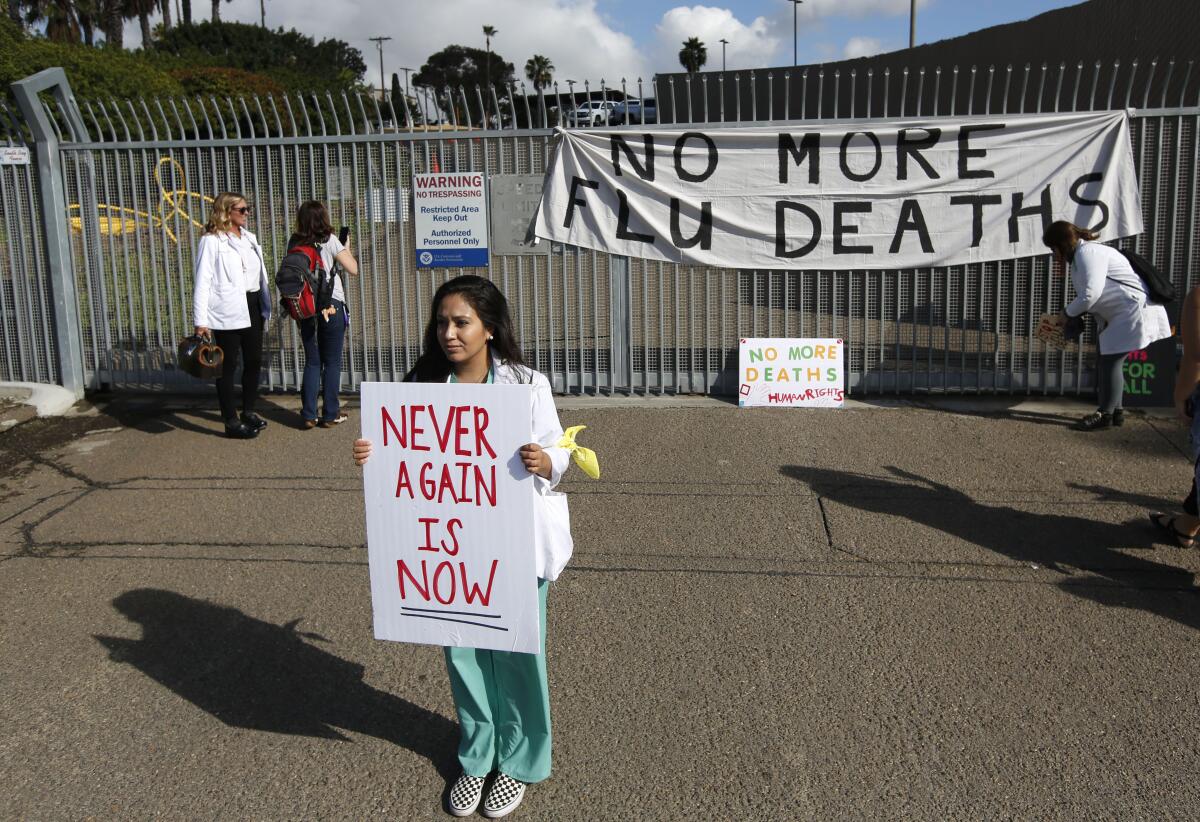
245,344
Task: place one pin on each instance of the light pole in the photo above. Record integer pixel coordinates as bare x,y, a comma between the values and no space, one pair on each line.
912,24
378,41
407,90
795,14
724,42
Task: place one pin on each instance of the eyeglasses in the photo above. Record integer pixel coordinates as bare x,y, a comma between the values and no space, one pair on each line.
242,210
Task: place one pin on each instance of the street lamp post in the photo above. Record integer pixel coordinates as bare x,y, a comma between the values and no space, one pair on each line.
724,42
378,41
912,24
795,48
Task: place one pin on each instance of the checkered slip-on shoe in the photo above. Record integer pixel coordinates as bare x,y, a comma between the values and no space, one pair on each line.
465,795
503,797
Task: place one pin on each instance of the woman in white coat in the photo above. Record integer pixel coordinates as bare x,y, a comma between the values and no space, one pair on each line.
1107,287
232,300
502,698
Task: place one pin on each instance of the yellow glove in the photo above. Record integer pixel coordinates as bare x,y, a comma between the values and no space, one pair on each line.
585,458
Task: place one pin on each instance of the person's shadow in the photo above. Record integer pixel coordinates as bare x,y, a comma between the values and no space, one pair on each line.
253,674
1055,541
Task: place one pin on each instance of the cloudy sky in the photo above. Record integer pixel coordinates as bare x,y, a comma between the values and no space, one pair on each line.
615,39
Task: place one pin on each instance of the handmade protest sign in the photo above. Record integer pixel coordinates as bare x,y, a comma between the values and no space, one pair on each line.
915,193
450,515
791,372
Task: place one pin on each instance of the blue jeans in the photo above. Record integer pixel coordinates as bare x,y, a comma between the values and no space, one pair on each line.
323,341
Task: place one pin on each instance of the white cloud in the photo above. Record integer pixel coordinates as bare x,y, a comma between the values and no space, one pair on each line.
751,45
572,33
862,47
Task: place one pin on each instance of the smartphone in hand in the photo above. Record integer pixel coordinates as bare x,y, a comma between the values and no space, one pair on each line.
343,234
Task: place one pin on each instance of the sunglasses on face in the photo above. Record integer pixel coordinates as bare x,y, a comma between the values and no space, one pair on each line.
242,209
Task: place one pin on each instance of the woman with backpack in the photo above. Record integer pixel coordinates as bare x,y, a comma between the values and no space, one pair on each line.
502,698
231,301
325,333
1106,286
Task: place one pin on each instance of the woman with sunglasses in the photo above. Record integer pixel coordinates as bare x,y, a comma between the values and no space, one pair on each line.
232,302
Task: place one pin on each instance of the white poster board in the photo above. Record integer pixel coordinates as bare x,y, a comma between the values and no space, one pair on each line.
450,515
897,194
803,372
451,220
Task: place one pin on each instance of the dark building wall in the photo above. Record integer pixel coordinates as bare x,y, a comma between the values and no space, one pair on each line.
1069,42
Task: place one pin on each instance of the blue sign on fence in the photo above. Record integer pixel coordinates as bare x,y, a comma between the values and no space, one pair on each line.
451,220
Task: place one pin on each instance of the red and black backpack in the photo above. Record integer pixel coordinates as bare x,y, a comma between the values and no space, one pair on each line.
305,286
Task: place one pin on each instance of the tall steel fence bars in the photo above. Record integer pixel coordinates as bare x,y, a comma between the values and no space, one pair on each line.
136,175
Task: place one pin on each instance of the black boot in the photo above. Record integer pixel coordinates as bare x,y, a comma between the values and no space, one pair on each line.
238,430
254,422
1094,421
1118,417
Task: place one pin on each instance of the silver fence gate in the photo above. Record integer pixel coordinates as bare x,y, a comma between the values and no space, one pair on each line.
136,174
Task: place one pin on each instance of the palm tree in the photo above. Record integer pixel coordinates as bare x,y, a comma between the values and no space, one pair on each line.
142,9
488,33
540,71
61,16
693,55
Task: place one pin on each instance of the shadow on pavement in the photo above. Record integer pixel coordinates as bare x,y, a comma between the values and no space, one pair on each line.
253,674
1050,540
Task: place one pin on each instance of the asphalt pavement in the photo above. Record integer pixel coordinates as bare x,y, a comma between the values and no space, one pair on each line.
900,610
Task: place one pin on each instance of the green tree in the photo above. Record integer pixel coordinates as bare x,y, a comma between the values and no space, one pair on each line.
540,71
488,33
456,66
693,55
292,59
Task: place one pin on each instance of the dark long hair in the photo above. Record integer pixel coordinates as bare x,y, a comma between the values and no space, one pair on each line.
312,224
1063,237
491,306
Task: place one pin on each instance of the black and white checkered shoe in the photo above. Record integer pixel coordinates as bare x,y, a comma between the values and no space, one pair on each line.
503,797
465,795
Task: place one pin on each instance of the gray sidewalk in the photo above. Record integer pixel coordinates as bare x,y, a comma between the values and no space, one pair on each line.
900,610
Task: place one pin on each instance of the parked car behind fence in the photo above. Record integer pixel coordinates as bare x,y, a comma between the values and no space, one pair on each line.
592,113
631,112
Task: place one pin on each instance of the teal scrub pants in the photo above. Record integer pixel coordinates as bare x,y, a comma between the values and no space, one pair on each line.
503,704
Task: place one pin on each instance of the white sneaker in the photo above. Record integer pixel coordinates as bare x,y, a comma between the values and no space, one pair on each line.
465,795
503,797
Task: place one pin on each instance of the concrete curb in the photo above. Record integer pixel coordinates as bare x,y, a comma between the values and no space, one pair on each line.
47,400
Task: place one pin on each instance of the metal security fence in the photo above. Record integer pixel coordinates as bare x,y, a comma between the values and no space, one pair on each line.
136,175
28,350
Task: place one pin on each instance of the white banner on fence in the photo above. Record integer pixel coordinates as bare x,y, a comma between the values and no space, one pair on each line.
846,196
791,372
449,515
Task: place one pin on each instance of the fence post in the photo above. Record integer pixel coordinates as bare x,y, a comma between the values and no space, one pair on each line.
53,206
620,339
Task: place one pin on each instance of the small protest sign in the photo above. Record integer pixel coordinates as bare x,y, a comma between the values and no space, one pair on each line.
1150,375
450,515
791,372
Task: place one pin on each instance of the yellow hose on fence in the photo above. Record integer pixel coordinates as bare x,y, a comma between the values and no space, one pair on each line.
116,221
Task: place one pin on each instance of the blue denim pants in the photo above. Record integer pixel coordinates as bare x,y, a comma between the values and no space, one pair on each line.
323,341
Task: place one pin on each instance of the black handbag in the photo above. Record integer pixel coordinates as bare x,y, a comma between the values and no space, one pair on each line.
201,357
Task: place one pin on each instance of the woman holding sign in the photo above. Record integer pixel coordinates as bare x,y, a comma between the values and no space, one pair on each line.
502,698
1107,286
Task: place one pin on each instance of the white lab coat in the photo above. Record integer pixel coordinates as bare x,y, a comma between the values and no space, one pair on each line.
1109,288
552,540
219,296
